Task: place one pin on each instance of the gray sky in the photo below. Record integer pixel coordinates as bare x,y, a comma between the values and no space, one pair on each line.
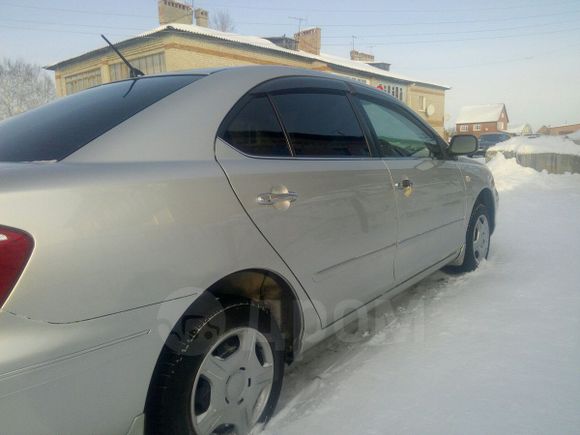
522,53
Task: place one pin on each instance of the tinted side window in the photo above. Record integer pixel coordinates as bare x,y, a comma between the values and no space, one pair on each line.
398,135
255,130
56,130
321,125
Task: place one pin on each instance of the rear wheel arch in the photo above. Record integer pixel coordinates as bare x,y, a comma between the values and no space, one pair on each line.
176,392
267,289
271,290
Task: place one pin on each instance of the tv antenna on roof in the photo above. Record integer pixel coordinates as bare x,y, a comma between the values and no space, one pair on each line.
300,21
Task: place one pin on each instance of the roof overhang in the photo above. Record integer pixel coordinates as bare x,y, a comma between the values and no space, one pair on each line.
254,43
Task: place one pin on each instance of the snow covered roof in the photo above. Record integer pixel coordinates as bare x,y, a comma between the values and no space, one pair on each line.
482,113
258,42
520,129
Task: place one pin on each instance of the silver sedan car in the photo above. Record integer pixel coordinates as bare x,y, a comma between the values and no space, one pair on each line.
169,243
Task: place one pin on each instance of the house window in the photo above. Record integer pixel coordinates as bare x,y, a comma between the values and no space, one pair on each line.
477,127
357,79
463,128
395,91
422,103
152,64
85,80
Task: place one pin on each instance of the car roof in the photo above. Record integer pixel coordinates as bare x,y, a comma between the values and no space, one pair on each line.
272,71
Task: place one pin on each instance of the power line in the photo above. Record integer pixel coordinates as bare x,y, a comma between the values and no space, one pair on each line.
35,29
77,11
483,38
416,23
497,29
496,62
526,5
427,41
393,35
406,23
99,26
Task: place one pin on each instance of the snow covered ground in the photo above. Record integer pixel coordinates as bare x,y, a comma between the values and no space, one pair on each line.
496,351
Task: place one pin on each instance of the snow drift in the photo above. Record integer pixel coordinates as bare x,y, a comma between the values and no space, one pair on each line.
555,154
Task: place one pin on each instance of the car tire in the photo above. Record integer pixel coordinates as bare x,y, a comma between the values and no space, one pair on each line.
477,241
220,370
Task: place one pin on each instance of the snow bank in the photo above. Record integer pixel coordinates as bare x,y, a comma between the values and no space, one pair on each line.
575,137
537,145
509,175
555,154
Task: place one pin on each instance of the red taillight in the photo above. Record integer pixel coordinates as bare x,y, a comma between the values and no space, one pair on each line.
15,249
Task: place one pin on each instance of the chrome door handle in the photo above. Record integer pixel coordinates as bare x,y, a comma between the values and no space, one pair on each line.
404,184
274,198
279,197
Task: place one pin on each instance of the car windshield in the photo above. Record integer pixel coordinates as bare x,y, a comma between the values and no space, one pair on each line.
56,130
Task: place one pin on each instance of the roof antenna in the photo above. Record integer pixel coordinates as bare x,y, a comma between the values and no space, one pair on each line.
133,72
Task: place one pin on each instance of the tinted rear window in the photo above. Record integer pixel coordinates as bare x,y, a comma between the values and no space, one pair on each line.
256,131
58,129
321,125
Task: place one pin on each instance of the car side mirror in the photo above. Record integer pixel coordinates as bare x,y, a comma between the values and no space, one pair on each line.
463,144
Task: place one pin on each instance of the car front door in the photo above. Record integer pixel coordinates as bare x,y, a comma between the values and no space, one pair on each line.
429,188
297,159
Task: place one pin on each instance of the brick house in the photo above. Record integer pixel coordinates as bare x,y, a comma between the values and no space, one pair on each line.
178,45
487,118
559,130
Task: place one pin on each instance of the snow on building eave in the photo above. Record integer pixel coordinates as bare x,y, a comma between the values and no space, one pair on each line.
256,42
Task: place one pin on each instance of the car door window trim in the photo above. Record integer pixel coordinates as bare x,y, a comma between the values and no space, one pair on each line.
312,85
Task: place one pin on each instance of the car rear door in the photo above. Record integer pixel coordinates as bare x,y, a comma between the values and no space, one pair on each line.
430,191
295,155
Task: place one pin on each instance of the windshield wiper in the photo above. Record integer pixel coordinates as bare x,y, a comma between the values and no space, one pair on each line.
133,72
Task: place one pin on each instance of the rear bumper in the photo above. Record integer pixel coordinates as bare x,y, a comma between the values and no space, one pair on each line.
83,378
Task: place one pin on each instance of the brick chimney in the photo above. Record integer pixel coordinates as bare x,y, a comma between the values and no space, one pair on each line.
201,18
173,11
359,55
309,40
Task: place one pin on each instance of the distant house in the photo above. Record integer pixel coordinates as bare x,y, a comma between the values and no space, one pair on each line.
487,118
520,130
559,130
